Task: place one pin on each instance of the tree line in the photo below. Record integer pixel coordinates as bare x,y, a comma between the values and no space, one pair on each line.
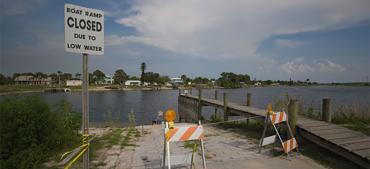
226,79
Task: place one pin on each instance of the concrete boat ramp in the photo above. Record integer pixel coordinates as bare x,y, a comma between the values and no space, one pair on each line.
224,150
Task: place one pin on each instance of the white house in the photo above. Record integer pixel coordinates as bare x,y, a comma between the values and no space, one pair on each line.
108,79
74,82
176,80
132,83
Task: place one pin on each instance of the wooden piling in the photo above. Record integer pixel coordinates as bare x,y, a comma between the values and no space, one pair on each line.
216,98
293,114
249,99
326,110
226,112
199,104
249,103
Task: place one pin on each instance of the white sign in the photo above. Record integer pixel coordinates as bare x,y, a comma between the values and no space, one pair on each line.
84,30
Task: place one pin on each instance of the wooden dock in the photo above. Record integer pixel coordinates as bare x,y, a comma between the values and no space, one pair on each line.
344,142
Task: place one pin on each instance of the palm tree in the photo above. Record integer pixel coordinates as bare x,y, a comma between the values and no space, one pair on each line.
59,73
142,67
78,75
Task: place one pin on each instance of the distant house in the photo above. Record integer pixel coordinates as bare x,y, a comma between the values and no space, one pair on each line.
74,82
176,80
132,83
108,79
258,84
30,80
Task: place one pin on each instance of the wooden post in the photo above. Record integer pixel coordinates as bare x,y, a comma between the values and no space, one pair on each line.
249,99
226,113
292,114
199,104
326,110
249,103
85,108
216,97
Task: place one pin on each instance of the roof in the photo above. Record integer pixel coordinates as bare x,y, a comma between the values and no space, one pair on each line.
31,78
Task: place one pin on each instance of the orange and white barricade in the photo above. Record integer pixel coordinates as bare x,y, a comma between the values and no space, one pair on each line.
179,134
275,118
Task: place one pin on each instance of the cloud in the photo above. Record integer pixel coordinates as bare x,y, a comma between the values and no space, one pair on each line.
329,66
224,29
297,66
288,43
113,40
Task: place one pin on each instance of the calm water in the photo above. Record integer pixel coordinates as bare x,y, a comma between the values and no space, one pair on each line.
147,103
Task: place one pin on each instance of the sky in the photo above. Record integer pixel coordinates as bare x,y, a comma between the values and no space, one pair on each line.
320,40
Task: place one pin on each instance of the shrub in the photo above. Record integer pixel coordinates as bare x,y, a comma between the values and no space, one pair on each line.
30,132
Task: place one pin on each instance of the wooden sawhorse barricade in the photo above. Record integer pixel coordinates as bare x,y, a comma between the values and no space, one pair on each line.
275,119
182,133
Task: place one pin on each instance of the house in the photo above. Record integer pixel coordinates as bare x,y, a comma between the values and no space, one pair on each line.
176,80
258,84
31,80
74,82
108,79
132,83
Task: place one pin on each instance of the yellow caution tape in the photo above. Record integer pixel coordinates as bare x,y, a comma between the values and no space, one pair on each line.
85,146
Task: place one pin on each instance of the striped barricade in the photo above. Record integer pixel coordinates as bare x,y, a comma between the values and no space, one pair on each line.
275,118
179,134
278,117
184,133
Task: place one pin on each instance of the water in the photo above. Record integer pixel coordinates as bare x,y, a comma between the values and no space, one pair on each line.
146,104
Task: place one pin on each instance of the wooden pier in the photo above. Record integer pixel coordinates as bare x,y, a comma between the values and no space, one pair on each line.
349,144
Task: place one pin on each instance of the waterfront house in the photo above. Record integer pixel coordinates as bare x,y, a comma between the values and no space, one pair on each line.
31,80
74,82
132,83
176,80
108,79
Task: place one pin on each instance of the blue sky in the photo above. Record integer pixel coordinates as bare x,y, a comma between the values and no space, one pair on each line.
325,41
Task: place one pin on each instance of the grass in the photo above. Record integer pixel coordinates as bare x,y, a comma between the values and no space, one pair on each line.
190,144
106,141
126,140
20,88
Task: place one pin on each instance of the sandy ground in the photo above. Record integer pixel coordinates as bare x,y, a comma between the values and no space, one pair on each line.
224,150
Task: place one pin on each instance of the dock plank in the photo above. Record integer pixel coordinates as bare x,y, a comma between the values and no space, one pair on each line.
364,153
358,146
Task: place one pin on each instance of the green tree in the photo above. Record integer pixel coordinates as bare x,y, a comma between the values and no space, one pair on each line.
99,76
142,67
232,80
134,78
120,76
201,80
5,80
30,131
78,75
40,75
152,77
54,78
164,79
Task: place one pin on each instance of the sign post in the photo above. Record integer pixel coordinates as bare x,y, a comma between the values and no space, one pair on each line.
84,34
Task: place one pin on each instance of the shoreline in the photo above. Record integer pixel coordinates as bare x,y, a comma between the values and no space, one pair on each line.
103,88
